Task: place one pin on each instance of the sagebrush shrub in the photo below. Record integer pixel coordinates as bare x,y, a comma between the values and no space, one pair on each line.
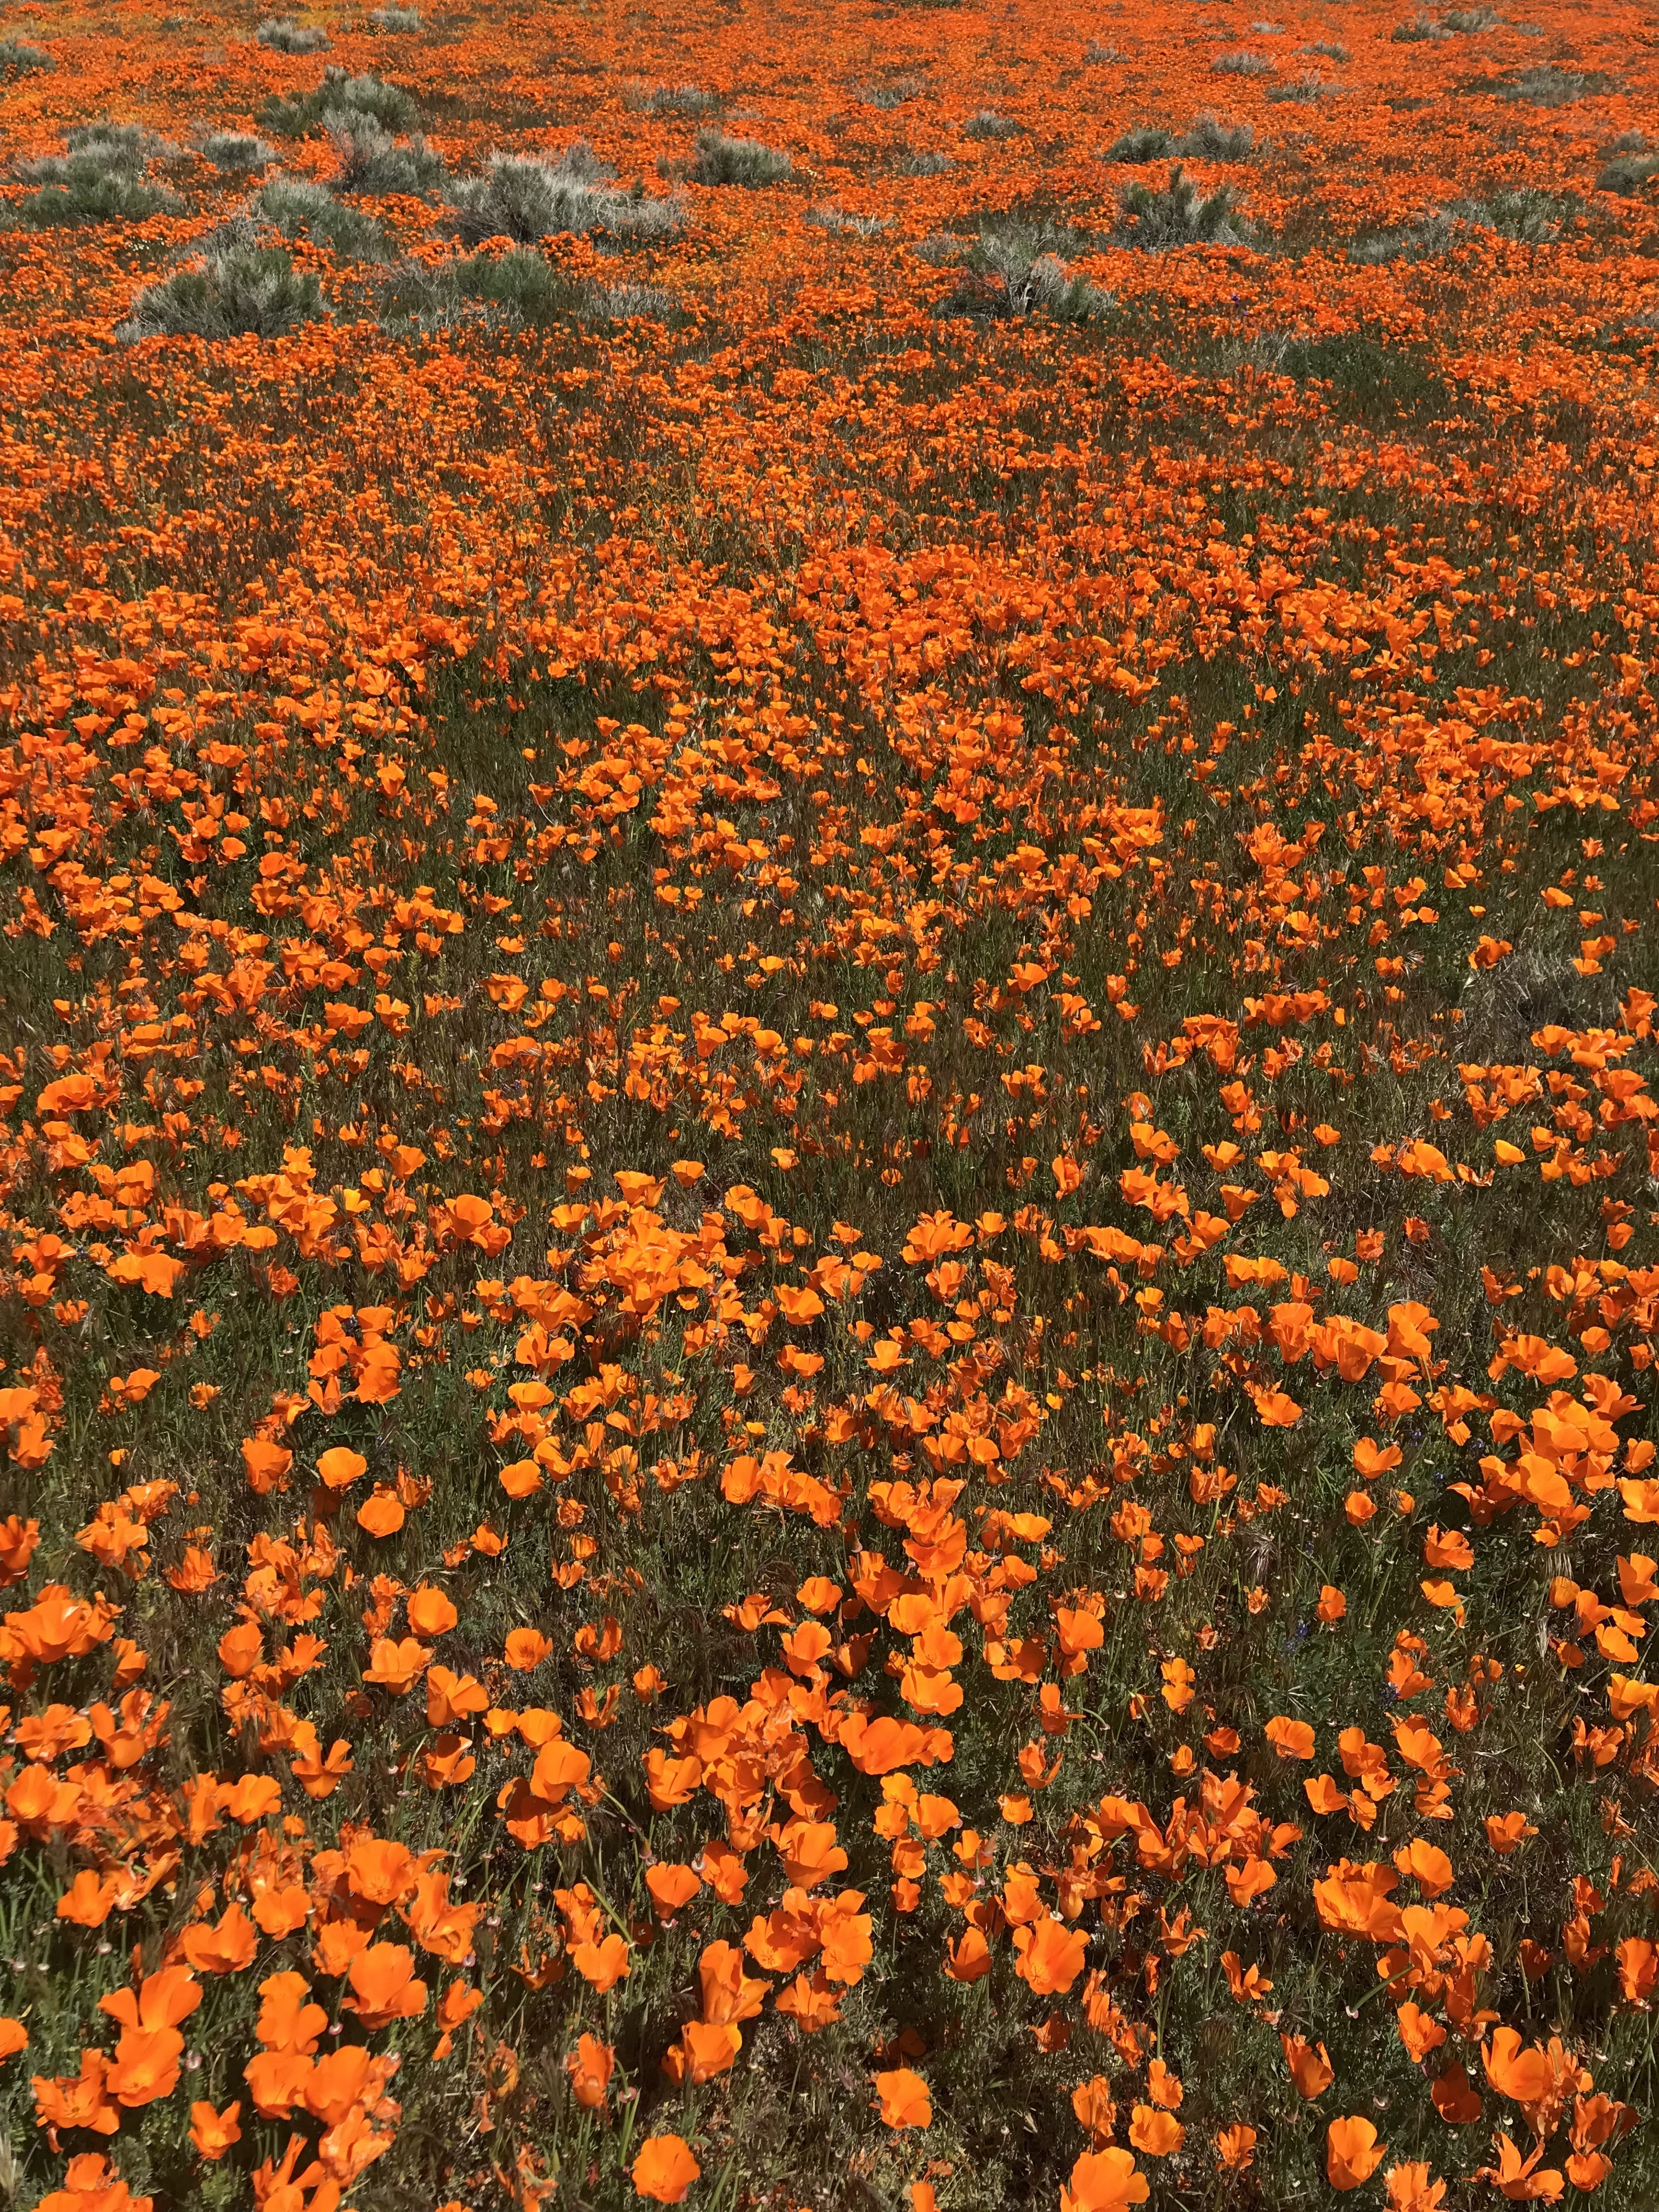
379,165
838,220
99,180
301,209
237,153
1308,87
683,100
987,123
1242,62
19,58
395,19
244,292
898,92
1626,174
525,199
1550,87
340,100
1150,142
1207,140
1181,214
284,36
719,159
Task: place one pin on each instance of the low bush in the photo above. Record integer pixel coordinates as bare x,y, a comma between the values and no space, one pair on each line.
526,199
237,153
380,166
301,209
284,36
338,101
1182,214
719,159
243,292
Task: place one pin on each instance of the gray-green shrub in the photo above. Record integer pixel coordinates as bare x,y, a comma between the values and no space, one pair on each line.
242,292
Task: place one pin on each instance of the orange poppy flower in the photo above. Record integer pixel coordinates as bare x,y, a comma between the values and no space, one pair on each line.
664,2169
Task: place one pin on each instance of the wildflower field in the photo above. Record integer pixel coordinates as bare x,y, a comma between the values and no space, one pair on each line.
829,852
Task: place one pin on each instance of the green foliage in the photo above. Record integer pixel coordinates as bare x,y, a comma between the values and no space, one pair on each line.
1182,214
340,101
1151,142
1369,379
987,123
19,58
237,153
243,292
526,199
719,159
1626,174
685,100
1308,87
1550,87
100,179
375,163
284,36
1206,139
301,209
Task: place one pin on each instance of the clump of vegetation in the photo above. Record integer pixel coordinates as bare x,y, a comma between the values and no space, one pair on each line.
300,208
1181,214
1242,62
1330,48
1416,241
1551,87
284,36
1035,281
1466,20
237,153
1627,170
1014,269
624,303
1206,139
100,179
508,291
395,19
244,291
525,199
720,159
836,219
896,92
925,165
688,101
93,196
380,166
1308,87
19,58
987,123
1420,31
338,102
1150,142
1527,215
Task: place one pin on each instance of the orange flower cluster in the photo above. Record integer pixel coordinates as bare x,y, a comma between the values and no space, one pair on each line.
828,1279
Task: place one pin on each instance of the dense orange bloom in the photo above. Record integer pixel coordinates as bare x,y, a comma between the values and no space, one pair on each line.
945,972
